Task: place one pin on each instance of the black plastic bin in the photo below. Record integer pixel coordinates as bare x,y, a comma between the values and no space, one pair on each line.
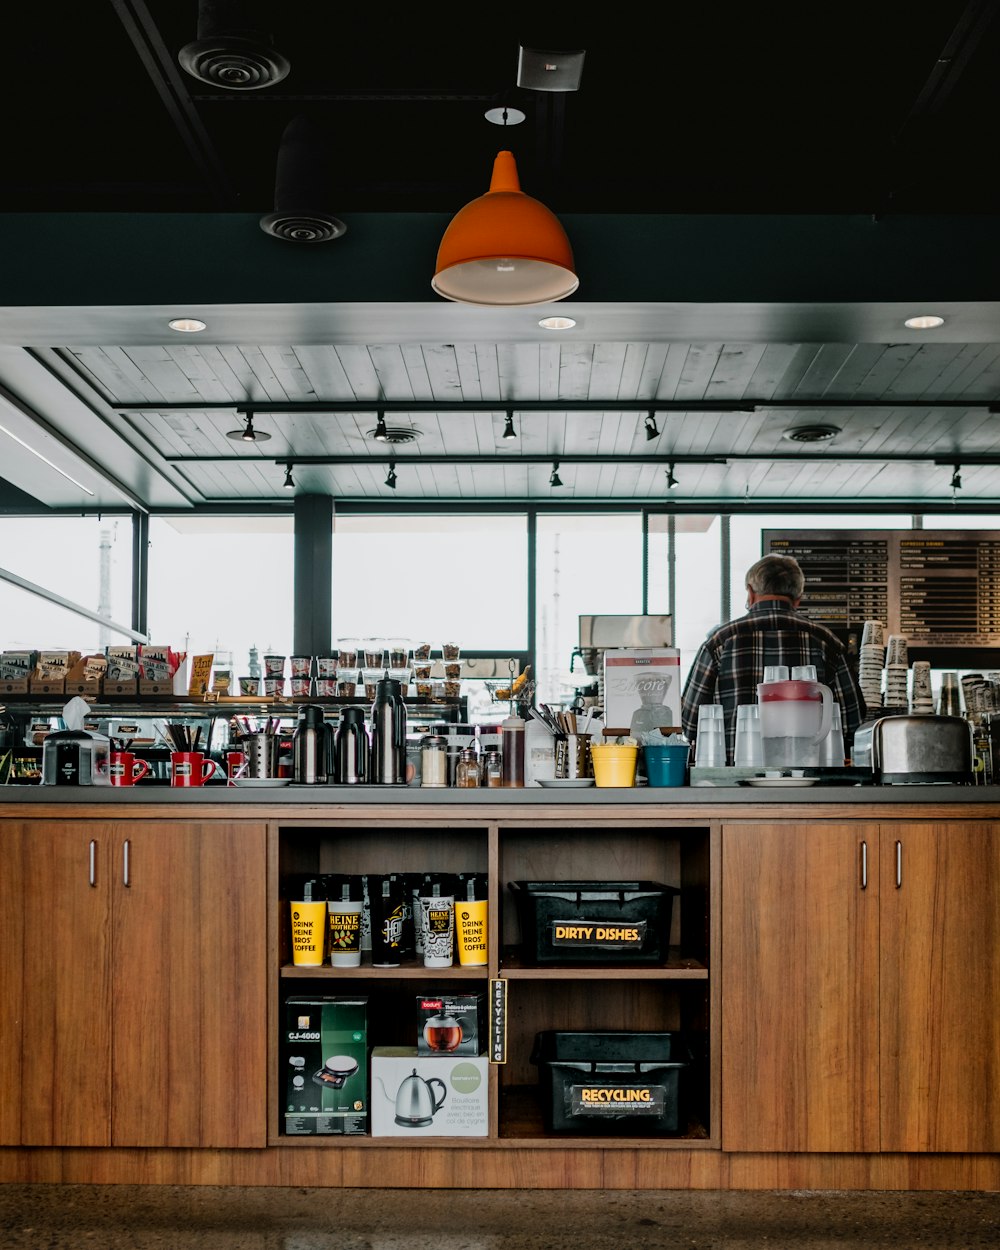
594,922
617,1083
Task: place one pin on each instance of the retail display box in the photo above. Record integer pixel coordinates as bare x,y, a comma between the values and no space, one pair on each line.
324,1065
642,690
616,1083
594,922
428,1095
452,1024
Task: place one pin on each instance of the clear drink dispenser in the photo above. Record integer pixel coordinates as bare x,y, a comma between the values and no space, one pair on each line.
795,717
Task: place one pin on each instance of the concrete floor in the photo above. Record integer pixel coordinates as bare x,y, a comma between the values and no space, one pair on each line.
140,1217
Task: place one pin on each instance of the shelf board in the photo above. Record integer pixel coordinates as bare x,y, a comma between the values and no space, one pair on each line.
677,968
408,970
521,1121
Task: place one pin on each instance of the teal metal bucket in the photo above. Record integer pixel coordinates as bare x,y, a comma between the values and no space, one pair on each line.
667,765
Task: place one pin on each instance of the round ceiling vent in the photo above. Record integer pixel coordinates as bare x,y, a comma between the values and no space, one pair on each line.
811,433
395,434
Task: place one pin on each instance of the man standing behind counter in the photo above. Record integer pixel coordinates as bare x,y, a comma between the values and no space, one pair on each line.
732,659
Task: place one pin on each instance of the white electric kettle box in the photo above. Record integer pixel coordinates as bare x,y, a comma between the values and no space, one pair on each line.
428,1095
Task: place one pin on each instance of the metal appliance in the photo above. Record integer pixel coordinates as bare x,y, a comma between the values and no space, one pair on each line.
388,758
75,757
906,750
351,750
312,747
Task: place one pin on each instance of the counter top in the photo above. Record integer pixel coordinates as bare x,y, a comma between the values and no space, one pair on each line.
415,796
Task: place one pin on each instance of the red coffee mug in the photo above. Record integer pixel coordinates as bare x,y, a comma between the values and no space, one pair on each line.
235,764
126,769
190,768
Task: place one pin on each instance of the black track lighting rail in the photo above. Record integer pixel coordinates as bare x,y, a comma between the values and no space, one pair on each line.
806,456
505,406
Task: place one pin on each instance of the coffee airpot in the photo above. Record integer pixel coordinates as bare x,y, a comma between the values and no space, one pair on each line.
351,748
388,734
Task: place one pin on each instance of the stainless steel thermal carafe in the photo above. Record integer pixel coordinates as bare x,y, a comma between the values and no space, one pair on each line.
388,734
312,747
351,750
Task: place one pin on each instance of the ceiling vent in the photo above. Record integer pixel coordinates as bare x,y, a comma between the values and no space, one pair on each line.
301,185
811,433
394,434
231,51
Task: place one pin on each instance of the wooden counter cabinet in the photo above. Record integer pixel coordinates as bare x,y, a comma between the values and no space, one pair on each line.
132,983
860,974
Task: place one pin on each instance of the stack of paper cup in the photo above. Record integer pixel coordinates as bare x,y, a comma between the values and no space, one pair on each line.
896,672
871,658
921,698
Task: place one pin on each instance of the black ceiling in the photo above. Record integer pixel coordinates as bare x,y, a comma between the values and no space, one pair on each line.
873,107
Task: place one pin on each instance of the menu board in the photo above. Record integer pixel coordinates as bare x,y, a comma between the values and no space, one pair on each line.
940,589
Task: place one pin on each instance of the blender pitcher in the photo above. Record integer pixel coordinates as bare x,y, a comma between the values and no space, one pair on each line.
795,717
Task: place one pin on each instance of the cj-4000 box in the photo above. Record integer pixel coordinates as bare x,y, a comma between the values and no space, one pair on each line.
324,1059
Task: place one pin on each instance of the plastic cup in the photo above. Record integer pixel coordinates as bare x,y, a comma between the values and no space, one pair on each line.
776,672
710,746
614,765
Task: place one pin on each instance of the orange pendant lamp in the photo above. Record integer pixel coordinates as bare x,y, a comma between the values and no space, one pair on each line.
505,248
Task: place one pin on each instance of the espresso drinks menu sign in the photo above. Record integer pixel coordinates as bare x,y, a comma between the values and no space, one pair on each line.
938,588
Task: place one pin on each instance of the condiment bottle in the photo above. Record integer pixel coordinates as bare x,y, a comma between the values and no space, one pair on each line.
433,761
492,768
467,775
512,751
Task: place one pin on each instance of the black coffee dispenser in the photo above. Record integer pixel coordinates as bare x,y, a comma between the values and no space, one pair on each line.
351,750
389,734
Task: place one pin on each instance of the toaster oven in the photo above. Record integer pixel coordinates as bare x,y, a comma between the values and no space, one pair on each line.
906,750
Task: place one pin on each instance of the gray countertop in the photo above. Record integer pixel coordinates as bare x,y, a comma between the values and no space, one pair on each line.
414,796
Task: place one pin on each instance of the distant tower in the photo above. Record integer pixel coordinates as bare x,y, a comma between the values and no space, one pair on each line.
104,602
254,666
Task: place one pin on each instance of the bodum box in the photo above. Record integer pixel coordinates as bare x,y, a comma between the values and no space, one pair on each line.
324,1063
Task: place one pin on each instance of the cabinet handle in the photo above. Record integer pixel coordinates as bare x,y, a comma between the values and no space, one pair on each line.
126,881
899,865
864,865
92,875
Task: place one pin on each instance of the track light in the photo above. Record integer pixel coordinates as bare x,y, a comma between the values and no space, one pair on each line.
671,480
248,434
508,429
956,478
381,434
555,479
288,484
390,480
651,428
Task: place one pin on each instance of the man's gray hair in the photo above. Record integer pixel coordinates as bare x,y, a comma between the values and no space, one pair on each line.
776,575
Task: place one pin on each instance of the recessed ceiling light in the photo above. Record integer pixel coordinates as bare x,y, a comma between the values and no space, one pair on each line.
187,325
923,323
557,323
811,433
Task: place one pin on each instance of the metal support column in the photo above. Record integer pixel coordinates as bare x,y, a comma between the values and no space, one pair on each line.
140,572
312,610
726,572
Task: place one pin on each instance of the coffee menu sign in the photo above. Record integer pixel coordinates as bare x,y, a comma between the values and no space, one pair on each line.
938,588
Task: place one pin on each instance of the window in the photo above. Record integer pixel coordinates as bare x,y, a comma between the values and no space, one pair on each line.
586,564
221,585
86,560
434,579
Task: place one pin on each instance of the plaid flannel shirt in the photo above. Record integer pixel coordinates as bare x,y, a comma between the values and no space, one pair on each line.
732,659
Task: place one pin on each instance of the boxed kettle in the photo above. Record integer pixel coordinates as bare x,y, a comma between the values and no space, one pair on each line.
428,1095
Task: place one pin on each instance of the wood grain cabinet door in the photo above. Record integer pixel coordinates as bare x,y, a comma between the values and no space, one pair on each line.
61,926
940,979
189,985
799,987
